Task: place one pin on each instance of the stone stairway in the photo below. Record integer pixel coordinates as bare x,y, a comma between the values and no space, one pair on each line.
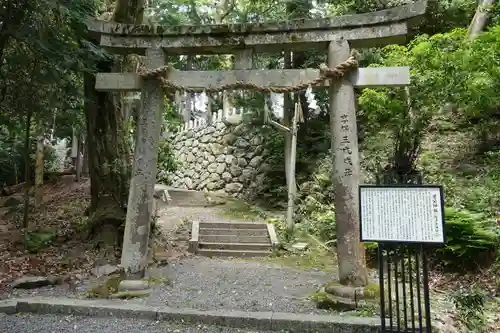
232,239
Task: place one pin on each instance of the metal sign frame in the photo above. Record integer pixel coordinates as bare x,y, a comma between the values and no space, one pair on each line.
403,271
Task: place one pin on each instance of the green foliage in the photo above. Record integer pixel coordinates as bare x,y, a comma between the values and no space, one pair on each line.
471,304
466,71
166,162
49,159
441,15
471,239
445,68
472,185
41,60
273,190
171,119
11,159
282,232
37,240
12,154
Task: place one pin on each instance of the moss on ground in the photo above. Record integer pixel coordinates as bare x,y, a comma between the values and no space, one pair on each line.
324,301
129,294
107,287
371,291
240,210
369,309
158,280
313,258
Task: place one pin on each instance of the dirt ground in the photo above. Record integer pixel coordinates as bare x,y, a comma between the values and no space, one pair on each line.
60,225
67,251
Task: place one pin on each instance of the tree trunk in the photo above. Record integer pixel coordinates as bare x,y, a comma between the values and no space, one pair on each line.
480,18
85,160
27,172
39,166
108,162
108,147
78,161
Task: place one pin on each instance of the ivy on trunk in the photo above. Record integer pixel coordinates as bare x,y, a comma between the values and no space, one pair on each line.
109,164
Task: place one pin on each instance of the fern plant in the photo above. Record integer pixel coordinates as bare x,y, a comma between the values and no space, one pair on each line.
471,239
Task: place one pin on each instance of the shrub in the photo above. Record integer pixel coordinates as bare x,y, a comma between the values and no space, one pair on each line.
37,240
470,304
166,162
471,239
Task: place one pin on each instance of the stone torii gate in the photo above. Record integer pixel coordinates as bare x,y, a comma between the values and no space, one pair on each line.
336,35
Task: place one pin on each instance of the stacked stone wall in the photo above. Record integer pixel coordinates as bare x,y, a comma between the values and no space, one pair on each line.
218,157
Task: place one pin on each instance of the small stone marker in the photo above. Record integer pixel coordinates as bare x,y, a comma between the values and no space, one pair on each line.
300,246
133,285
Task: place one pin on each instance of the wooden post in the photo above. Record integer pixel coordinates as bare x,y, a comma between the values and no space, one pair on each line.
85,160
39,164
74,147
140,200
188,97
178,103
78,161
287,107
346,172
208,114
291,169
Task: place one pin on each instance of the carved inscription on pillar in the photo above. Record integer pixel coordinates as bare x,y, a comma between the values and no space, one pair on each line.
345,144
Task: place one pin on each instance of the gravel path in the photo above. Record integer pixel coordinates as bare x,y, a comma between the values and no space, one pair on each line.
207,284
28,323
210,284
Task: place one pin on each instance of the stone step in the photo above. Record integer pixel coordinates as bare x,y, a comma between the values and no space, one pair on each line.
178,197
234,239
232,253
232,232
235,246
233,225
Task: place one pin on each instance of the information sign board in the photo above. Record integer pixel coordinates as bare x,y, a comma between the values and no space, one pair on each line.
402,214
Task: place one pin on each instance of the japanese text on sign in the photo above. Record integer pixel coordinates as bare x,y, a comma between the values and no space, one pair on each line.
401,214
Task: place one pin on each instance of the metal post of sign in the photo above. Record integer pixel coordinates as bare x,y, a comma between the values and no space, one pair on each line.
404,217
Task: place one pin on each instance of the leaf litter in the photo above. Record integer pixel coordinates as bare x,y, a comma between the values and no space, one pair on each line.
63,248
